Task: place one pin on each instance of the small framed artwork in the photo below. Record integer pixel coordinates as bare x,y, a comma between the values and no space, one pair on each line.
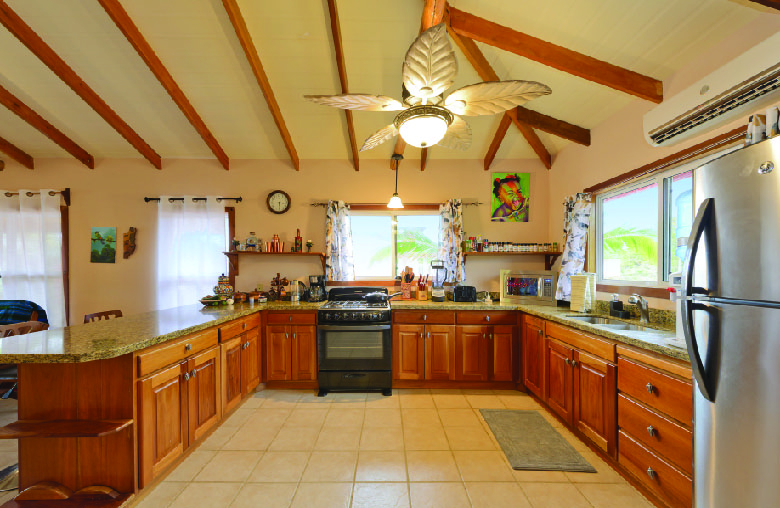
510,197
103,245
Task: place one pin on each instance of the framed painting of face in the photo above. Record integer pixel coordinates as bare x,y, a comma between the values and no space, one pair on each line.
510,197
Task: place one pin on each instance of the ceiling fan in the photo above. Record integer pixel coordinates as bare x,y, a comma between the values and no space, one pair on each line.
426,117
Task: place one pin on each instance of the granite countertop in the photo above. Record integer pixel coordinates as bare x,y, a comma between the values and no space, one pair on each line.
116,337
659,338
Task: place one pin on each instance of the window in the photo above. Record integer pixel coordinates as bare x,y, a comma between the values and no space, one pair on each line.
383,243
642,228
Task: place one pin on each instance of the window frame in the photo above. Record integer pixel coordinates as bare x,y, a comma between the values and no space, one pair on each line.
392,213
661,179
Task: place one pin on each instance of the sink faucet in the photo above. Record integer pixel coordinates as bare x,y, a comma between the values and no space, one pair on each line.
644,310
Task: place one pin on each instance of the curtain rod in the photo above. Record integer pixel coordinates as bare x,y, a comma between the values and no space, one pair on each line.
324,204
65,194
171,200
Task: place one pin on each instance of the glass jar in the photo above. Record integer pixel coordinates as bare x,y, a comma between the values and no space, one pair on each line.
251,242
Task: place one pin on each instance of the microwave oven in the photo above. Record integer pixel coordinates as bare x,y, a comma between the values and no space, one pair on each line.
529,287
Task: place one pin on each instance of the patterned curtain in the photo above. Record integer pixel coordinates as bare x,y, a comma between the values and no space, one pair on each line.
451,239
338,242
576,220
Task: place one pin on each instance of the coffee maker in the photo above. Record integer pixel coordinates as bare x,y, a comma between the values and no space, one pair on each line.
317,288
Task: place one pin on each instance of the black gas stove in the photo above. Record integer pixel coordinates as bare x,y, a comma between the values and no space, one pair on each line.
354,342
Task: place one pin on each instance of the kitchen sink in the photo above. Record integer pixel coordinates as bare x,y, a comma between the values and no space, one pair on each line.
594,320
626,326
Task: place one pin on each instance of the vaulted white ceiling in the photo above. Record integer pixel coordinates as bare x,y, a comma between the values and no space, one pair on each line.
195,40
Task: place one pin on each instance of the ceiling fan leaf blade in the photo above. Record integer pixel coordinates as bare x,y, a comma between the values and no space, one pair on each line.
491,97
379,137
430,65
359,101
458,135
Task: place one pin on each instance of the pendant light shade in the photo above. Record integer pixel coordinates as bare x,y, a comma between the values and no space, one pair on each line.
395,201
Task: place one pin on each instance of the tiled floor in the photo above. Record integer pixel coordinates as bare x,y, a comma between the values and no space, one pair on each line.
418,448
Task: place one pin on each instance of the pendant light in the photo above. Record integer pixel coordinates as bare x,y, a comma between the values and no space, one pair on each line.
395,201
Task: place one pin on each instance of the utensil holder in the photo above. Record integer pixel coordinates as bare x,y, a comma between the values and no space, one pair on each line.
406,290
422,292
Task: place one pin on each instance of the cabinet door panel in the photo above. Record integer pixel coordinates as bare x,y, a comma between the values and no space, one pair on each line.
503,353
559,383
250,361
231,373
595,397
471,349
163,421
533,359
278,360
439,351
203,393
304,352
408,352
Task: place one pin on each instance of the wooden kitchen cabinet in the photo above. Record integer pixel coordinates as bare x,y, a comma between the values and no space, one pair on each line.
240,354
581,387
503,354
291,346
231,373
177,405
471,352
533,355
423,345
485,345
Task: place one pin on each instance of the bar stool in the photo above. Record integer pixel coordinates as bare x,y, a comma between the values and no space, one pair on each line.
106,314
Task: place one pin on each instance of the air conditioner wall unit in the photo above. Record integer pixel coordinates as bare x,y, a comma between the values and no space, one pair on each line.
744,85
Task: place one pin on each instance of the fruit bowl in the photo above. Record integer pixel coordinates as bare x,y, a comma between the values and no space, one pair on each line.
212,301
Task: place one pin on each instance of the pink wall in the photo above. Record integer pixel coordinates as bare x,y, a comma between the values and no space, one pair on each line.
112,195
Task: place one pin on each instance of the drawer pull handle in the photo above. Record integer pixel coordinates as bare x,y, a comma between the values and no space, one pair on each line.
290,318
567,361
574,363
650,388
243,325
192,374
294,336
651,473
245,345
186,376
429,335
425,317
487,318
286,335
188,347
490,336
651,430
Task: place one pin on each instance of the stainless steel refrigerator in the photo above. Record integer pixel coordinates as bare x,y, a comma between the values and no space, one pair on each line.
731,323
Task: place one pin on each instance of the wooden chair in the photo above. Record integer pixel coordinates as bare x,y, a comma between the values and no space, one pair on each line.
8,372
106,314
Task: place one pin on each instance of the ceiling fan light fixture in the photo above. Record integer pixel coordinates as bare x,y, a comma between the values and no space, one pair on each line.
424,125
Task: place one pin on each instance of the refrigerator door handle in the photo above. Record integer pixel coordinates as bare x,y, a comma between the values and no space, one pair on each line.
701,223
699,373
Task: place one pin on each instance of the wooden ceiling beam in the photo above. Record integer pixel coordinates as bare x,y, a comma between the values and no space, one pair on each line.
16,106
774,4
400,146
245,39
16,154
506,121
133,35
486,72
335,29
550,125
558,57
14,24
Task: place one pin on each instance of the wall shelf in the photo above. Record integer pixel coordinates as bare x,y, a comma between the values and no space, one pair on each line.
549,257
234,255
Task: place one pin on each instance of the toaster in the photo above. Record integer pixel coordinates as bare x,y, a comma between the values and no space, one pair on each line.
465,294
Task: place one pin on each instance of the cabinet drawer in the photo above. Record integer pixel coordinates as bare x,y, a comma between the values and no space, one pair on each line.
295,318
436,317
238,326
667,394
671,440
664,479
478,317
171,352
534,321
590,343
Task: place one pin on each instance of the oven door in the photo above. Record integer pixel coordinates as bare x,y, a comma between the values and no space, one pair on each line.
356,347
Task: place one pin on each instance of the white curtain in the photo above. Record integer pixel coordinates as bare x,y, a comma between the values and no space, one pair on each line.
339,264
576,220
190,241
451,239
31,251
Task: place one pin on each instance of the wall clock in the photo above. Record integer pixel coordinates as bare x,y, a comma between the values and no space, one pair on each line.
278,201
